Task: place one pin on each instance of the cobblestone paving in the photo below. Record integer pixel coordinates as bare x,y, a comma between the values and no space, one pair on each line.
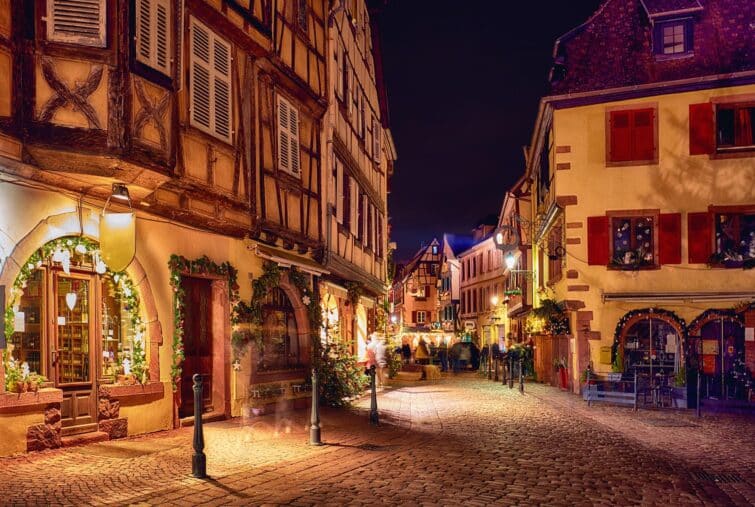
462,440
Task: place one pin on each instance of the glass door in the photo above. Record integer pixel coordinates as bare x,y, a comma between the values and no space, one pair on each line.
73,349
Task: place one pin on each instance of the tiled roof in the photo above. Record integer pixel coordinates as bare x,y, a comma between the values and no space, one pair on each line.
662,7
614,48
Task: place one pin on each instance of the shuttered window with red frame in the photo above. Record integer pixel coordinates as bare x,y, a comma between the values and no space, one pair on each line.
699,237
632,135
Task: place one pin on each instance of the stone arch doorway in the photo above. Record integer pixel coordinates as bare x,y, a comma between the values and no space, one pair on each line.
717,352
85,224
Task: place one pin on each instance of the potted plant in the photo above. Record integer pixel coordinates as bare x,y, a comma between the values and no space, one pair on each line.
679,391
35,381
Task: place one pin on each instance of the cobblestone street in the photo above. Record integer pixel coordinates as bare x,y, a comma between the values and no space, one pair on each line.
461,440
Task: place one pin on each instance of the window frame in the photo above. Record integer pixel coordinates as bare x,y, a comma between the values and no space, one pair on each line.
213,38
633,215
423,315
293,140
99,43
715,212
735,106
687,40
633,108
163,77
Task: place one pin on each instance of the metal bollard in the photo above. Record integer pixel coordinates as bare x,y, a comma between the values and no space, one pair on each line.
635,390
699,402
521,376
495,369
314,423
511,372
587,386
374,420
198,460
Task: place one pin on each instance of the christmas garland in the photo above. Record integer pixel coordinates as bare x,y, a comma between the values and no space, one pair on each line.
179,266
650,313
62,250
713,314
549,317
253,314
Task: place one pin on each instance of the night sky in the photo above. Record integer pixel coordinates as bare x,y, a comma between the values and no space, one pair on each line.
464,79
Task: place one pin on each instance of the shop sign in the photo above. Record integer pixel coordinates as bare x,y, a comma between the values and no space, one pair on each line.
470,325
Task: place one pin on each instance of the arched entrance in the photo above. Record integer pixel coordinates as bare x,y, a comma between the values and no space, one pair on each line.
651,342
717,344
77,325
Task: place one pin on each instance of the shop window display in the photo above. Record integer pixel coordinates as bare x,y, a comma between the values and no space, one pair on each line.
280,350
652,346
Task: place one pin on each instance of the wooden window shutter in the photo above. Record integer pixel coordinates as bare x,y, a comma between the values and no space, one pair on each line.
597,241
346,200
643,121
153,34
339,70
365,212
670,238
354,205
621,136
360,217
376,133
339,191
414,316
699,237
288,137
210,97
349,87
77,22
701,129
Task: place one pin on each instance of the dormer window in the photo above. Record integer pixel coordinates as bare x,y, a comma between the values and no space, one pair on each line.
673,38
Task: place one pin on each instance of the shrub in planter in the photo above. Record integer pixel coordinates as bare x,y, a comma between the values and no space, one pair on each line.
340,377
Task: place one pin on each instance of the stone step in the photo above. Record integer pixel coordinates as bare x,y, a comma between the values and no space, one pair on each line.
84,438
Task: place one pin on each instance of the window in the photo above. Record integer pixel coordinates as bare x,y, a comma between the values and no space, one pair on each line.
632,136
376,130
421,317
734,126
77,22
360,205
556,253
735,238
210,97
280,349
288,138
673,38
435,249
153,34
633,241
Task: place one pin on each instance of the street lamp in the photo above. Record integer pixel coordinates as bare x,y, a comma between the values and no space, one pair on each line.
510,261
394,319
493,362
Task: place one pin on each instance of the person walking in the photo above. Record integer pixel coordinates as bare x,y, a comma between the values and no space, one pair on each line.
381,360
422,354
443,355
406,352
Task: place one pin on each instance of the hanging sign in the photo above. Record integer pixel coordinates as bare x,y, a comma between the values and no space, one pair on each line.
118,239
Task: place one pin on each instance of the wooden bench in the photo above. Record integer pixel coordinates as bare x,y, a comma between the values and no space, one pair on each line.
603,390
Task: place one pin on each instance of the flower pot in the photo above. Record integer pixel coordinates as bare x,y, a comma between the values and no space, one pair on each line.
21,386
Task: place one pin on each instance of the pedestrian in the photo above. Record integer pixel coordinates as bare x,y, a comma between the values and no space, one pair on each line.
422,354
381,360
406,352
443,355
465,355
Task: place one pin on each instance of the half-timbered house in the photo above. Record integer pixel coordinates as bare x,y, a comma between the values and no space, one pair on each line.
359,161
208,116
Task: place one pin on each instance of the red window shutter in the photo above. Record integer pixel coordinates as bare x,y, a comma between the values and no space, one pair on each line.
621,136
644,134
597,241
414,315
670,238
701,129
427,291
699,237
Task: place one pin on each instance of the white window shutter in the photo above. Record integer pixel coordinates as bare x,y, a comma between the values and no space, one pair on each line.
77,21
153,34
354,200
339,192
210,97
288,137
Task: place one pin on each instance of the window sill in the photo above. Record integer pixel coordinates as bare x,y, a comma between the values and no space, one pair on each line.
148,390
734,152
621,267
662,57
22,402
631,163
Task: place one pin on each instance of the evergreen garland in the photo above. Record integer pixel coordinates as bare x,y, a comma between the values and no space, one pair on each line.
179,266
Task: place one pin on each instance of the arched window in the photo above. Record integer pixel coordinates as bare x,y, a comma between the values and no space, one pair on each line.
652,343
281,348
719,340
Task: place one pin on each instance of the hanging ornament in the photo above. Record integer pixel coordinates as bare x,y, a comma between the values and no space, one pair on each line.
57,255
66,261
71,298
80,249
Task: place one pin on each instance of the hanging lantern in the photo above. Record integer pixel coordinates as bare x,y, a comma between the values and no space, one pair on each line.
118,233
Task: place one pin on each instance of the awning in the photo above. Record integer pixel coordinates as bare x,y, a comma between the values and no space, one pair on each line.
680,297
287,259
334,289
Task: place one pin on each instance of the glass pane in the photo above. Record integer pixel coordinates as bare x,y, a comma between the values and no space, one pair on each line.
73,330
725,127
117,331
26,341
622,240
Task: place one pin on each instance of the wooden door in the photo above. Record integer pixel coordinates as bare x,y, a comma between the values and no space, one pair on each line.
73,350
197,343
